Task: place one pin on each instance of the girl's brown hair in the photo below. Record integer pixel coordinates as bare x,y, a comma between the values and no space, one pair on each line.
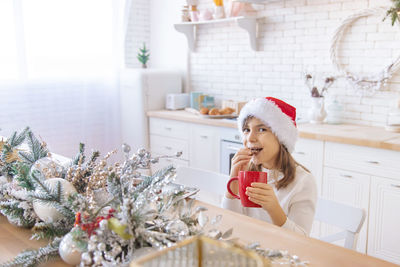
284,163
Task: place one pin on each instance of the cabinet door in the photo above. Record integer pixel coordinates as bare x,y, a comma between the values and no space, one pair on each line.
204,148
384,233
310,154
161,145
169,128
349,188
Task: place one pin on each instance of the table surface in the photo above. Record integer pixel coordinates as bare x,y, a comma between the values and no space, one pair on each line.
14,239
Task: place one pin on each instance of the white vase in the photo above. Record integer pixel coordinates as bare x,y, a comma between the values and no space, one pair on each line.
317,112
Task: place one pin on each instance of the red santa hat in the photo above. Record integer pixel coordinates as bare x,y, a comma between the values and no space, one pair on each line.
278,115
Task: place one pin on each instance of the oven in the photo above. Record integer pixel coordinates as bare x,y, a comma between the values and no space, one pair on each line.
230,144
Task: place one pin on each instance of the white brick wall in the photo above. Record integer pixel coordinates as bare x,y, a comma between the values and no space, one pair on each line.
295,36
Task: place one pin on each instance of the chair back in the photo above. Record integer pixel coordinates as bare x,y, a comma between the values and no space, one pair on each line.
346,217
212,185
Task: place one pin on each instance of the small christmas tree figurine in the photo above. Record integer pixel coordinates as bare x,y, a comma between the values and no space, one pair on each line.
143,56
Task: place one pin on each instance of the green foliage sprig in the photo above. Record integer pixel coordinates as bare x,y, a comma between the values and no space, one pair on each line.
7,159
44,230
394,12
37,150
16,214
22,175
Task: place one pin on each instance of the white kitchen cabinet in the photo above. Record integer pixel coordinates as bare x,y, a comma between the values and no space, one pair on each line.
204,147
373,161
169,128
310,153
349,188
162,145
166,138
199,143
383,231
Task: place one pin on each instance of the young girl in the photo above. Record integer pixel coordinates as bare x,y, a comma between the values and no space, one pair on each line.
269,134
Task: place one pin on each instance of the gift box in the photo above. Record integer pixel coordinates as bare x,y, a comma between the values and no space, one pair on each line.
203,251
236,105
198,100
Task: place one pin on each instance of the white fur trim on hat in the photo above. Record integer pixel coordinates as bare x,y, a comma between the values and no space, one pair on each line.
273,117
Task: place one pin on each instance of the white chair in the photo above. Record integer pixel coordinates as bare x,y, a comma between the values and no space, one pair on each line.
212,185
343,216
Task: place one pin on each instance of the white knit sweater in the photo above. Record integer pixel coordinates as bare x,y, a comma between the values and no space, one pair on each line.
298,200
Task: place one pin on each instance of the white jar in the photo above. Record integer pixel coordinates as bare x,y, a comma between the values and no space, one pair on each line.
393,120
393,117
335,113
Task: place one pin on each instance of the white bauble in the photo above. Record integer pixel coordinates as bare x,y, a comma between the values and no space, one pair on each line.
69,251
47,213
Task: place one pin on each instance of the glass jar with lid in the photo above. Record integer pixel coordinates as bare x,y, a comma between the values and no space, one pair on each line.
393,117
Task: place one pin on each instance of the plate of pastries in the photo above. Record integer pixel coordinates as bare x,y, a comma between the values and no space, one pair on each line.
215,113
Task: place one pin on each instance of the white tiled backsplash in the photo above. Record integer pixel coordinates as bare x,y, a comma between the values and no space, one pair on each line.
294,37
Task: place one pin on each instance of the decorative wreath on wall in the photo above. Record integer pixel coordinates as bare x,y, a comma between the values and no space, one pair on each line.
365,85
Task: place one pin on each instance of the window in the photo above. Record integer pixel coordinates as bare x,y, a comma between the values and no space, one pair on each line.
55,38
8,46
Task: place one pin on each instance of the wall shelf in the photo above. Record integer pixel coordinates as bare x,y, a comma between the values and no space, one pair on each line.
259,2
249,24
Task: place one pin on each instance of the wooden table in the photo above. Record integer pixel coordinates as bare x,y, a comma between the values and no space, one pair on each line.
13,240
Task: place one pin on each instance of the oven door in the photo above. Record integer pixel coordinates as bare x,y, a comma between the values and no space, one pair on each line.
228,150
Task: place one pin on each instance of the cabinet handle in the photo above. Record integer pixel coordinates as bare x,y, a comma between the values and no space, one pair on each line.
233,148
300,153
395,185
204,136
373,162
237,137
168,128
346,175
168,147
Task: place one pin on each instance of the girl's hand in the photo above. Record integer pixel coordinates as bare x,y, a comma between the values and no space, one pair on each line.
264,195
239,163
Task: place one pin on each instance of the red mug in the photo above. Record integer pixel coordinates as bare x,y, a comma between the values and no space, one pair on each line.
245,179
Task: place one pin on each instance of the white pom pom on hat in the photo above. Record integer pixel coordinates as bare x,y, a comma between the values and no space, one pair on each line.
278,115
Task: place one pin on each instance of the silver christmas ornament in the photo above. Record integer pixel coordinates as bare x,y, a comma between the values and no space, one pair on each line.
69,251
86,258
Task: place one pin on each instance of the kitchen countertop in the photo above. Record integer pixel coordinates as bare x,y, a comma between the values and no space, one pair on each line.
361,135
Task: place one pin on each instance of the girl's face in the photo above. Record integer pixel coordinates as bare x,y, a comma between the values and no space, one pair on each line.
262,143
